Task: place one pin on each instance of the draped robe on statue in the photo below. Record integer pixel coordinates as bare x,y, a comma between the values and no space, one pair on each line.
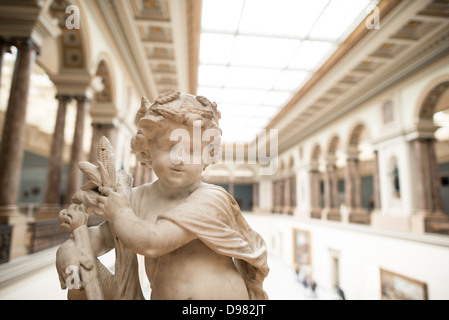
215,218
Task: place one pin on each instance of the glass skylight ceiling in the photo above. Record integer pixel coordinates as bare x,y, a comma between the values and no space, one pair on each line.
255,54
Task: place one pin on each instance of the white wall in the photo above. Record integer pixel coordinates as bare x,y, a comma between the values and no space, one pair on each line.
362,251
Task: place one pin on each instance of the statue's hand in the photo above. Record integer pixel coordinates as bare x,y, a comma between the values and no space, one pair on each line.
73,217
69,258
110,205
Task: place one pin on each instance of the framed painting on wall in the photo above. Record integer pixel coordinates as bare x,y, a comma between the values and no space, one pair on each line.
398,287
302,250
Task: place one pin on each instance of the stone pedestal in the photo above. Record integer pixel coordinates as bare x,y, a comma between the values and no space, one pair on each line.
389,222
417,222
430,222
333,215
360,216
437,223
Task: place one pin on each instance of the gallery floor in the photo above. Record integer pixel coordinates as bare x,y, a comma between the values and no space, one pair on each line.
281,284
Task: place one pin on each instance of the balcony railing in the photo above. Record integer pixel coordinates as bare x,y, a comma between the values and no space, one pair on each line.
45,234
5,242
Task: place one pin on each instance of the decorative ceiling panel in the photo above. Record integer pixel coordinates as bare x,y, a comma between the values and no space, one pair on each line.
151,9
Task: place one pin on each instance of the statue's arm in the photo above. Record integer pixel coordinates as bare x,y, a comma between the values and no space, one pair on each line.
150,239
101,238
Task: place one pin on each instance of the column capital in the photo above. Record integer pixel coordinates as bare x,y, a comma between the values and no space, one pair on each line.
5,46
63,97
424,139
25,44
352,159
106,125
81,98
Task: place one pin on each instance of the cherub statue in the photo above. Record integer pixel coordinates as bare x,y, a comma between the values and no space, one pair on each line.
195,242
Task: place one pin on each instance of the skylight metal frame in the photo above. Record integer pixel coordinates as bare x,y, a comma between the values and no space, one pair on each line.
263,95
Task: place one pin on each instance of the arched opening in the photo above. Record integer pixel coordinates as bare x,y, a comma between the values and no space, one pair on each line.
291,181
332,185
431,158
359,175
316,184
278,189
441,119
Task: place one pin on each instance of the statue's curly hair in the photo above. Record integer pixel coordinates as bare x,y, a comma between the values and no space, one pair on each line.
174,106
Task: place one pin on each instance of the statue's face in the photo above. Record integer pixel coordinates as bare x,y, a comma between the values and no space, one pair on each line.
179,162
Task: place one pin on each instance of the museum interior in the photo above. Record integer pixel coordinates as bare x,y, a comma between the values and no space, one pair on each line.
335,120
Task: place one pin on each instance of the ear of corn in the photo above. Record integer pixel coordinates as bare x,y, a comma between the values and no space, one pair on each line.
87,198
91,172
102,174
106,162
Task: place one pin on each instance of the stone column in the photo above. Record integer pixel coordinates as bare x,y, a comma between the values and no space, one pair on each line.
5,46
231,188
354,194
52,200
423,181
349,185
376,183
334,188
96,136
315,194
98,130
357,186
293,193
286,196
429,217
255,197
435,182
277,202
77,155
348,205
274,196
331,193
327,189
13,139
281,195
